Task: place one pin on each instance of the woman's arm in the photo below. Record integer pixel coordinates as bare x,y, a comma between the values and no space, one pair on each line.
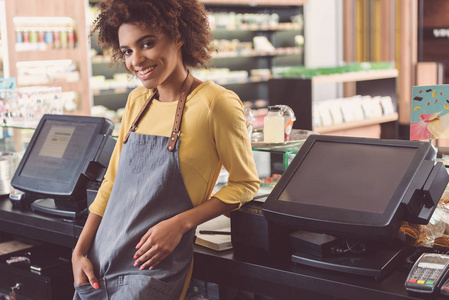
82,267
162,239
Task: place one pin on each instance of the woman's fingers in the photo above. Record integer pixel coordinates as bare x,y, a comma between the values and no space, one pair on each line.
143,240
152,257
84,273
157,243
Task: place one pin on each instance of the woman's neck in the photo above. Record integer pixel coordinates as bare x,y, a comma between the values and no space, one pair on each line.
171,91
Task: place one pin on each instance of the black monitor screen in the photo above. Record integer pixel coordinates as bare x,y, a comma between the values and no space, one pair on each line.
63,156
355,176
354,186
59,150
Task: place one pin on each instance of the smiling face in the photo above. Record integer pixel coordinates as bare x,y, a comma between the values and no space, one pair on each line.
153,57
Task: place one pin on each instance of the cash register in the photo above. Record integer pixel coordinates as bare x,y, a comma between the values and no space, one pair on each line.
340,204
66,155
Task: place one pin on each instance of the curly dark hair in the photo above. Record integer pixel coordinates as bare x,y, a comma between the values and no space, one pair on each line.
184,20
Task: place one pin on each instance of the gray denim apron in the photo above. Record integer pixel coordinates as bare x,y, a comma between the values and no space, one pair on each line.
148,189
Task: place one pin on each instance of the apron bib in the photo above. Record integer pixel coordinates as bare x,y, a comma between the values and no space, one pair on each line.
148,189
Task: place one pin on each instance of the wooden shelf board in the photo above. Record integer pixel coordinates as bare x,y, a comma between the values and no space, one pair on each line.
350,125
260,27
253,53
356,76
51,54
75,86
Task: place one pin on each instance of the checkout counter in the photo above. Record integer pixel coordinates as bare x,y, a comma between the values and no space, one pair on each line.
260,261
280,279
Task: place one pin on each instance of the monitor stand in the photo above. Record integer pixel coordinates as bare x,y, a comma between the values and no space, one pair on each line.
57,207
376,264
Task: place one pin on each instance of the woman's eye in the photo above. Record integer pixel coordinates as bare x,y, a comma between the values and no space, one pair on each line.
148,44
126,52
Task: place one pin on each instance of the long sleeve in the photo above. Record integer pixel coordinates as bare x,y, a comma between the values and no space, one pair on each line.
229,132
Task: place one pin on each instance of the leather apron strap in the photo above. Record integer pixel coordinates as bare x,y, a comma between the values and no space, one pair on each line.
176,131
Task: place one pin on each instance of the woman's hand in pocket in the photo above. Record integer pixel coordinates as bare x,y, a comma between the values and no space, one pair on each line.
83,271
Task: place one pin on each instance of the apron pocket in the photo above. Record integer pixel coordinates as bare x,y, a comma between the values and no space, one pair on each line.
86,291
142,287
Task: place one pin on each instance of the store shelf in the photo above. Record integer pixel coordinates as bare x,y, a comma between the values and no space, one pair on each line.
254,53
250,87
225,81
50,54
66,86
298,93
357,124
356,76
111,92
260,27
64,15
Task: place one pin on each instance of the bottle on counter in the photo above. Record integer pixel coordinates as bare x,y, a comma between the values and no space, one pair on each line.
273,127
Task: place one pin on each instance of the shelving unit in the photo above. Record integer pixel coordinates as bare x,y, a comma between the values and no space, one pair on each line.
230,22
74,48
250,88
298,94
356,124
356,76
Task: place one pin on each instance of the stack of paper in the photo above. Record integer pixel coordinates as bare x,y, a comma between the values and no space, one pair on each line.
221,240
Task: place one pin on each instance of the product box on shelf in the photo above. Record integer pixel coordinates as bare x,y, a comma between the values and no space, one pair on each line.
25,106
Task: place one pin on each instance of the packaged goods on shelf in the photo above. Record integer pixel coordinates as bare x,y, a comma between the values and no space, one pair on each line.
261,43
304,72
371,107
71,101
103,112
231,20
325,117
270,181
260,74
234,45
98,83
262,47
316,118
38,33
26,106
221,75
119,83
387,105
48,71
351,109
335,111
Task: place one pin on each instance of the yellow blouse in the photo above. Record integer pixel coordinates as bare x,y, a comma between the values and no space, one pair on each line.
213,134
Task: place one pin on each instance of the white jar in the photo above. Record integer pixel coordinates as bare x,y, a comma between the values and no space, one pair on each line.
273,126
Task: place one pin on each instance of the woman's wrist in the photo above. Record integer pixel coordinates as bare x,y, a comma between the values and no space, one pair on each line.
182,221
78,252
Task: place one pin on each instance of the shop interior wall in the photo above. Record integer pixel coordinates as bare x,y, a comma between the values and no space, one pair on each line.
323,33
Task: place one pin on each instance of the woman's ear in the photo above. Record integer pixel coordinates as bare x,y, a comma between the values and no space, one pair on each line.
179,44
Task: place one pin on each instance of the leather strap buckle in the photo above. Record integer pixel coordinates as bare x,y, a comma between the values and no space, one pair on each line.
173,139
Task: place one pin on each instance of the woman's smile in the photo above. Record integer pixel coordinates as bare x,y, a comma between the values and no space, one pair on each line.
146,73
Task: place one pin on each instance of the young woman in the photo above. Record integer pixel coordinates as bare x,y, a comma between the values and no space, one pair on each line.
176,134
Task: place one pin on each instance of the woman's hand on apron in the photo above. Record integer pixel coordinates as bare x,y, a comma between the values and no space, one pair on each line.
83,271
159,241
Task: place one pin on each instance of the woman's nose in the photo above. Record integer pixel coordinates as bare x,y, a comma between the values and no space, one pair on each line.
138,59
